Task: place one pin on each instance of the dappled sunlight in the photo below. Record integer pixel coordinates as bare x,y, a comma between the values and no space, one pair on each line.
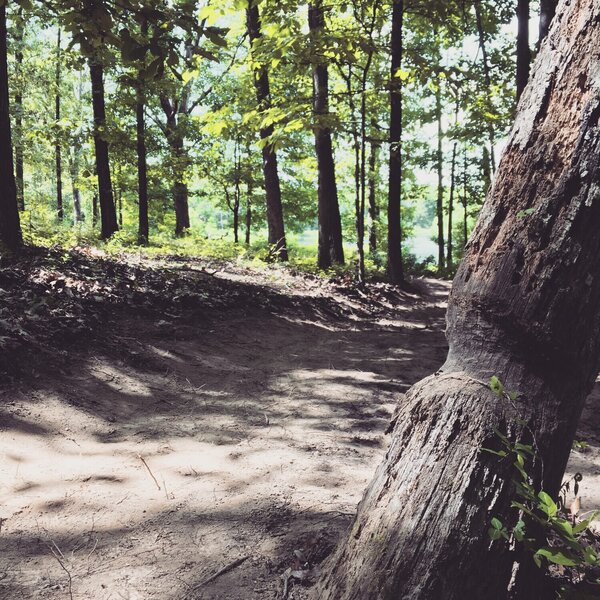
247,436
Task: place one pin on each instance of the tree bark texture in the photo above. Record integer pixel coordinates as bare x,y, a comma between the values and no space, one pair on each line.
272,185
108,213
10,228
525,306
331,250
395,268
523,50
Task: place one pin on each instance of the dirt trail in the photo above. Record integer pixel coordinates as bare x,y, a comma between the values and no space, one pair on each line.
246,433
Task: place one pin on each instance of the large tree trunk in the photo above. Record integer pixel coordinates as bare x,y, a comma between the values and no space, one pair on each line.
108,213
272,186
10,228
547,12
394,268
523,50
331,250
525,306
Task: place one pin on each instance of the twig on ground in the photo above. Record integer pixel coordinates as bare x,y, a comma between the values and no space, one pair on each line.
59,558
149,471
225,569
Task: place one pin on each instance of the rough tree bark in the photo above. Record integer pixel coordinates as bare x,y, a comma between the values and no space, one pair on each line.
525,306
272,186
331,250
108,212
523,50
10,228
394,267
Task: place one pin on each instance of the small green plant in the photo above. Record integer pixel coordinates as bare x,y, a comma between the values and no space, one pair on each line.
551,532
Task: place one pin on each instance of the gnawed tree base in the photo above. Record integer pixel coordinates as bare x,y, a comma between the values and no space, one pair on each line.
421,528
525,306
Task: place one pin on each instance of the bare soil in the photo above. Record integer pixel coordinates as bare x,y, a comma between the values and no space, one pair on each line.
234,430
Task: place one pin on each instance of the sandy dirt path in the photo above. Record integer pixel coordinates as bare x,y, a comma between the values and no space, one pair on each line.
241,440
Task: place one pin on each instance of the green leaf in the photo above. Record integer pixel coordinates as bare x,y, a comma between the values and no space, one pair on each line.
557,557
547,504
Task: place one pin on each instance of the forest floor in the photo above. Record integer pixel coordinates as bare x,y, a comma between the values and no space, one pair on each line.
167,419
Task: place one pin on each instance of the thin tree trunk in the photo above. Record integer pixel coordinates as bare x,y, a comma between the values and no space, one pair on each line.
547,12
108,213
94,210
275,220
60,212
248,211
75,162
143,225
373,205
487,78
19,81
10,227
395,268
237,193
357,179
331,250
450,248
440,174
465,201
523,50
525,307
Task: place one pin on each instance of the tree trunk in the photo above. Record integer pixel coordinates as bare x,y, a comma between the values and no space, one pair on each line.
10,227
395,269
465,200
143,226
275,222
108,213
547,11
60,212
331,250
450,248
248,211
94,210
18,142
487,79
440,174
373,205
523,50
74,155
177,145
525,306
